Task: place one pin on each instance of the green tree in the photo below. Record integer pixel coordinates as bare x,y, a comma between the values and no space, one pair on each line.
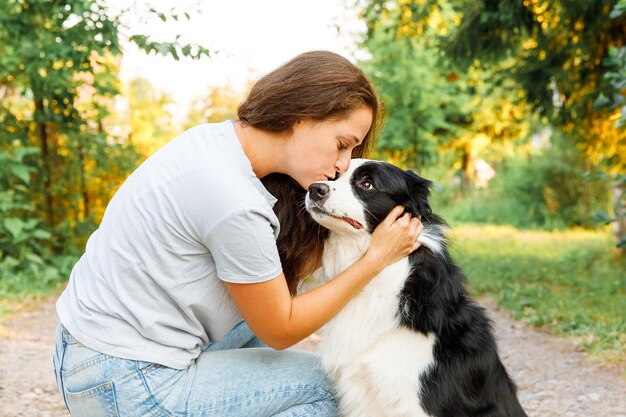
550,51
613,98
219,104
436,114
58,79
555,50
150,122
52,54
47,49
25,255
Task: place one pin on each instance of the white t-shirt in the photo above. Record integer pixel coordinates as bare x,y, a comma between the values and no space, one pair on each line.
149,285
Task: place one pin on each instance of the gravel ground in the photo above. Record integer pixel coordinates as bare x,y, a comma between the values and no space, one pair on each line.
553,378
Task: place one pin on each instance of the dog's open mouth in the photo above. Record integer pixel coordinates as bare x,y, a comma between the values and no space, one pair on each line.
346,219
352,222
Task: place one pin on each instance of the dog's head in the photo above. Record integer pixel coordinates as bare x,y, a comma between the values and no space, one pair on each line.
359,199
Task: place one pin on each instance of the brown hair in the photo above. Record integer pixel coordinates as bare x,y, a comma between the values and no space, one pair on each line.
318,85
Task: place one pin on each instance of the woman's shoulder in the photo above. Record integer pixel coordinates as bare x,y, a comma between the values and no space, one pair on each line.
208,135
213,147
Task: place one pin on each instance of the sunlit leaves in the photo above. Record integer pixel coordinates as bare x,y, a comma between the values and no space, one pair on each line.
432,107
173,49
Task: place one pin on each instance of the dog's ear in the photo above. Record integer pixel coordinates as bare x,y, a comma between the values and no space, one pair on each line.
419,190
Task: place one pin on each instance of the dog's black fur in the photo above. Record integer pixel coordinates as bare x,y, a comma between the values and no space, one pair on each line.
468,378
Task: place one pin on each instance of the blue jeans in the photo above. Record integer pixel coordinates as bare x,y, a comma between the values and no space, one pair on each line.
236,377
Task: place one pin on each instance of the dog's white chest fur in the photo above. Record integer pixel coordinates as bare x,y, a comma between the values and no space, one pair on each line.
374,363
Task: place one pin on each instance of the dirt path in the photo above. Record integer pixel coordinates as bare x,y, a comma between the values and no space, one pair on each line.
554,379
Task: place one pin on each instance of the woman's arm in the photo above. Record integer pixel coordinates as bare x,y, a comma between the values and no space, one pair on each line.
282,321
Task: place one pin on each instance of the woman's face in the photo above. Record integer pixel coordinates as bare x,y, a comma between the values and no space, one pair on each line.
318,150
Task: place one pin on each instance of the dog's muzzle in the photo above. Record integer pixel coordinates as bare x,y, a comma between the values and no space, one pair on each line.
319,192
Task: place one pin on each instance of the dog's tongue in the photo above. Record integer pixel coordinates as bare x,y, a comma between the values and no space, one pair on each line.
353,223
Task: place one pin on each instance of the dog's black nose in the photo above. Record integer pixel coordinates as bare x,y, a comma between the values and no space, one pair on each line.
318,191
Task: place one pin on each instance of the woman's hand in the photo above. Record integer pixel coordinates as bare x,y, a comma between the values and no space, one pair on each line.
394,238
281,321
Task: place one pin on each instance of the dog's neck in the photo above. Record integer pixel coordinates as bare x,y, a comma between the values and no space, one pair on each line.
342,249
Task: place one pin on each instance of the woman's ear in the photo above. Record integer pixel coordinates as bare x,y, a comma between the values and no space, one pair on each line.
419,190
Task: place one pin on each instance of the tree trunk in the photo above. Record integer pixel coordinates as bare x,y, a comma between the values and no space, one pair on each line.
619,198
585,194
467,177
83,183
45,158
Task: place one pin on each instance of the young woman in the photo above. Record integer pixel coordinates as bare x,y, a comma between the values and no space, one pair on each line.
194,269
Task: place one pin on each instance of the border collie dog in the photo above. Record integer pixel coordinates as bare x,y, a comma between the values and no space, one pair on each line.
412,343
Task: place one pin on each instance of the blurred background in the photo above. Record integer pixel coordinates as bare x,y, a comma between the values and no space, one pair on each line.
514,109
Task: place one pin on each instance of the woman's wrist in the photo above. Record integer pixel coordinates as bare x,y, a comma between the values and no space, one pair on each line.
373,262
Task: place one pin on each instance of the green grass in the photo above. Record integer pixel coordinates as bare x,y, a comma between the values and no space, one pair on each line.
570,282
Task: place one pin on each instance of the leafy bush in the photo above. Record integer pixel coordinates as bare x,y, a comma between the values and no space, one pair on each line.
27,263
541,189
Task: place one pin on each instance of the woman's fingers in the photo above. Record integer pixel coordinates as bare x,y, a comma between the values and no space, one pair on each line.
416,226
403,221
416,229
394,215
395,237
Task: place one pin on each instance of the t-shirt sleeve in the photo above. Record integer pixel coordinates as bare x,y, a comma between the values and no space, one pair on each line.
243,245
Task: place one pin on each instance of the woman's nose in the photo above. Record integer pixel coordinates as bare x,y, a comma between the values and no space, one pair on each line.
343,163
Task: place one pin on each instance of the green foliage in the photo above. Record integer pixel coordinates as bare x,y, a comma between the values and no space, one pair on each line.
618,10
27,264
541,188
615,63
217,104
20,237
53,54
569,282
502,62
144,14
58,80
551,48
173,49
612,96
58,66
431,107
150,121
414,95
617,216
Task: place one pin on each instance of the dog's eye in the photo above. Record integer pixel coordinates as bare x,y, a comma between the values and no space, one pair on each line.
365,184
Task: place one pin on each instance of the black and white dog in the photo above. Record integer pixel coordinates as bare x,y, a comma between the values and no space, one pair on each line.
412,343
